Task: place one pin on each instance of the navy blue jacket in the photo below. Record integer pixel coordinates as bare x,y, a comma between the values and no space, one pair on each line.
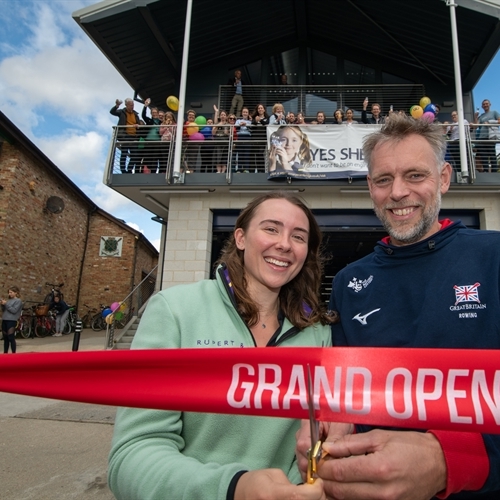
405,297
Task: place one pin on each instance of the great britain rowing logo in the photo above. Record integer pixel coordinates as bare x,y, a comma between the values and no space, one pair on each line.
467,293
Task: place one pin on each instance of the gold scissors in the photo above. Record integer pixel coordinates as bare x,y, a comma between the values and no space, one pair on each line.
315,452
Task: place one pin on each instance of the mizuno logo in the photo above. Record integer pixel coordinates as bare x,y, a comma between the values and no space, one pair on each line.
362,318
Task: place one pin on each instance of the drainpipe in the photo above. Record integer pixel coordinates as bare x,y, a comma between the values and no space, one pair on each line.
89,215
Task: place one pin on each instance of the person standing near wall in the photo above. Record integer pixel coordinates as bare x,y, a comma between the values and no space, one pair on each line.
11,311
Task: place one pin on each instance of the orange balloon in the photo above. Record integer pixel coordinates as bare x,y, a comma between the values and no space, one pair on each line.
192,129
417,112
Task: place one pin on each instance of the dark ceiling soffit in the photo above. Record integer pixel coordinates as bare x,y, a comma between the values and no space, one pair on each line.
480,64
100,42
396,41
372,60
250,54
301,20
156,32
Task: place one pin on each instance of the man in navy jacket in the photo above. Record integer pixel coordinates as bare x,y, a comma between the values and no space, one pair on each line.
409,293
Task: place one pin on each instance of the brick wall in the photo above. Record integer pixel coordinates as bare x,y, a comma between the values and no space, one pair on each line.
110,279
37,246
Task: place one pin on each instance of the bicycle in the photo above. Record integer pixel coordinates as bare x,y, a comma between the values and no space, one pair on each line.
45,323
24,326
98,323
88,316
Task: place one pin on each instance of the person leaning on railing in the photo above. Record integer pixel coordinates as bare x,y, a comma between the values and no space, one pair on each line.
486,149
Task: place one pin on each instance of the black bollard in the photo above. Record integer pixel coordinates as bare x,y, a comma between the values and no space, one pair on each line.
76,337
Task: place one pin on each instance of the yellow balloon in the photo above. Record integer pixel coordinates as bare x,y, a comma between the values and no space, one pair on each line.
417,112
424,101
109,319
173,102
191,129
123,307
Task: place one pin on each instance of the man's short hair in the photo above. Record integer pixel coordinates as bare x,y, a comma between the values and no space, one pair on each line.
128,99
399,127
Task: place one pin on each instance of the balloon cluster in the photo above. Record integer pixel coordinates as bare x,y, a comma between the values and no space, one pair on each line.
425,110
193,131
114,312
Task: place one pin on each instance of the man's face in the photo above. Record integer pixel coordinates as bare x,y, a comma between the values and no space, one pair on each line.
130,106
320,117
486,105
375,111
406,187
237,74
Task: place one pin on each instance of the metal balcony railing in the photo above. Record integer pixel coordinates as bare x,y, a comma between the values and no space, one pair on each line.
232,155
309,99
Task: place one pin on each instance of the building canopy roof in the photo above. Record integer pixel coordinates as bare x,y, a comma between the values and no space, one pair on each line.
411,39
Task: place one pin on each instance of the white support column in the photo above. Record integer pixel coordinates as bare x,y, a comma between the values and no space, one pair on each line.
458,90
182,92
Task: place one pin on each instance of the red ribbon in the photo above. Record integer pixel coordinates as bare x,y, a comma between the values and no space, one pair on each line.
416,388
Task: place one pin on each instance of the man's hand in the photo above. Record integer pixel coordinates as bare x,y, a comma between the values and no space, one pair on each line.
384,464
118,102
272,484
328,432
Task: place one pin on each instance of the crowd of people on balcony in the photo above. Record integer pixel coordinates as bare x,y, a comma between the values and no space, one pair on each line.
138,139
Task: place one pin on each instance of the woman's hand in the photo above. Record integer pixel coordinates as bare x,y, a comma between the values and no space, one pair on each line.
272,484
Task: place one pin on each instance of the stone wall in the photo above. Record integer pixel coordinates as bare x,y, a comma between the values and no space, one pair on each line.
38,246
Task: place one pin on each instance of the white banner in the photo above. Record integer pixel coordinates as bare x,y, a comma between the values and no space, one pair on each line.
317,151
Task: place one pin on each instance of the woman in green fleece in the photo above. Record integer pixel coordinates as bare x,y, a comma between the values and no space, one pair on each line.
266,294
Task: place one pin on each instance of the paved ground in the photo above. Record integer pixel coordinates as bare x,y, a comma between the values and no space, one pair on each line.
53,449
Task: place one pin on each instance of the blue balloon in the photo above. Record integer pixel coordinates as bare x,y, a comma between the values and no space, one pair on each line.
430,107
107,312
206,131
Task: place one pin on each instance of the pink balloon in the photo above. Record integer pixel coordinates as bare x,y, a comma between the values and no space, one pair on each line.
197,136
428,116
115,306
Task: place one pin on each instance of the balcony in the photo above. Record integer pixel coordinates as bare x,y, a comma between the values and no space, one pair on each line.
143,171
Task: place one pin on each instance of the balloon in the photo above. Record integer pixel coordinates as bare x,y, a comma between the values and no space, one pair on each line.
106,312
118,315
173,102
200,120
123,307
417,112
430,107
114,306
109,319
197,136
411,109
207,132
191,129
428,116
424,101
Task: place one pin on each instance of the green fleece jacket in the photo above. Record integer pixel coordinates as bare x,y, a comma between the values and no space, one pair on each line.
159,455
